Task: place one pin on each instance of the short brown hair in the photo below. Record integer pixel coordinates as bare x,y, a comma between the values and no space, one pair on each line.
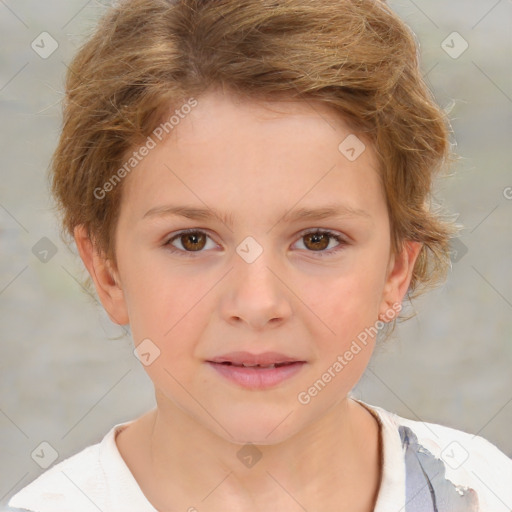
357,56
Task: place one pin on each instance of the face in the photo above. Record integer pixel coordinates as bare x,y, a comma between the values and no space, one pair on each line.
286,260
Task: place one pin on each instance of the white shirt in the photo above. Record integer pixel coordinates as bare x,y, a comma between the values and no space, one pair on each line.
426,468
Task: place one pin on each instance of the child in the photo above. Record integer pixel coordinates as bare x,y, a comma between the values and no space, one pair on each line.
248,184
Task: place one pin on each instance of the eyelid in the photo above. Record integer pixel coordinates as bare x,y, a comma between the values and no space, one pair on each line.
343,240
177,234
333,233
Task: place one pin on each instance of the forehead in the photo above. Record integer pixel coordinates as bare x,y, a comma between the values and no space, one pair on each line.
220,108
253,154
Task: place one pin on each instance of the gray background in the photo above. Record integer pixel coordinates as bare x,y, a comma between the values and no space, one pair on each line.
68,374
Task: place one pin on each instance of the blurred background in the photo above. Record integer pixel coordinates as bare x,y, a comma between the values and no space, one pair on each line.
68,374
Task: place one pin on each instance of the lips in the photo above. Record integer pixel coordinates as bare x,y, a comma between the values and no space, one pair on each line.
244,365
248,359
256,371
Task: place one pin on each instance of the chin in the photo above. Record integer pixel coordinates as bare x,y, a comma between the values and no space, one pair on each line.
256,426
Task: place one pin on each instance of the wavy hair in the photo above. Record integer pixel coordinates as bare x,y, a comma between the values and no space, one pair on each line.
357,56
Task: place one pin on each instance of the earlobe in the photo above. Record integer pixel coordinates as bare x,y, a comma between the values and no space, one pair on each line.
399,275
104,277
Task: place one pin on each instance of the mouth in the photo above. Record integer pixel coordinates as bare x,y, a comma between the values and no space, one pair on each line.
249,360
256,372
256,366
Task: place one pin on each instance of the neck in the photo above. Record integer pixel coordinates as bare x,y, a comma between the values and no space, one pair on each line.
332,464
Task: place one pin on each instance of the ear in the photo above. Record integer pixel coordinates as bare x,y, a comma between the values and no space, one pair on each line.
399,275
104,276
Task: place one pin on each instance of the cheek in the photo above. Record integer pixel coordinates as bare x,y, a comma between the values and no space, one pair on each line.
166,305
351,299
346,338
146,293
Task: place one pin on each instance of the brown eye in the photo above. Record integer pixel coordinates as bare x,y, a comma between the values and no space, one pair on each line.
318,241
193,241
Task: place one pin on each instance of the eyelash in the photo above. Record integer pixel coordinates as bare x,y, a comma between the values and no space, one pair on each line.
322,253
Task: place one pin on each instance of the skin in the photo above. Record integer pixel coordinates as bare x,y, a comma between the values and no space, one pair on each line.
257,161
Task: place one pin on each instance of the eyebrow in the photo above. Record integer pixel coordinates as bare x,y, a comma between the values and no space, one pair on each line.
301,214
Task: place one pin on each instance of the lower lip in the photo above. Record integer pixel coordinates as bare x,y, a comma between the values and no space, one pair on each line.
257,378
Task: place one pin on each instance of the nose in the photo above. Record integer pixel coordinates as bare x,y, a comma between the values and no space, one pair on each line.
256,294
